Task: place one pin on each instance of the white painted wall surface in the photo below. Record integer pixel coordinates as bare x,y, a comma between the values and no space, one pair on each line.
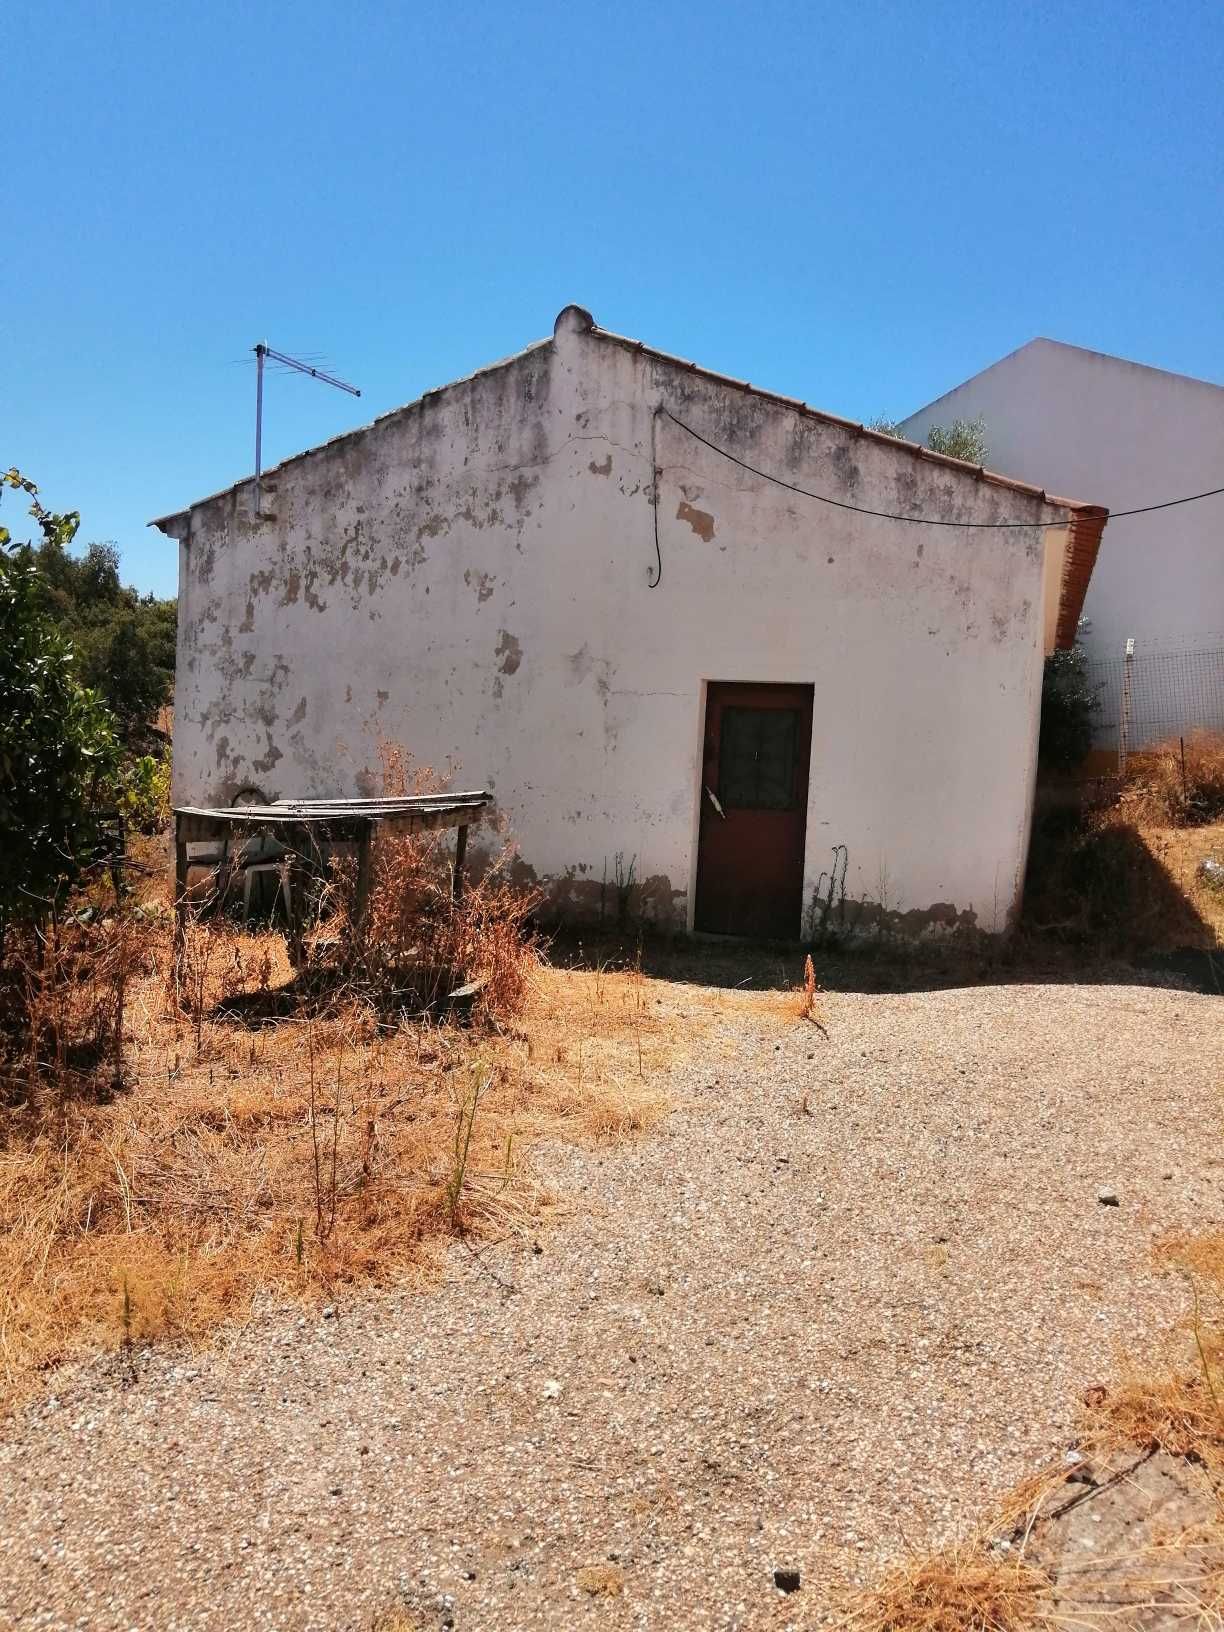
469,578
1106,431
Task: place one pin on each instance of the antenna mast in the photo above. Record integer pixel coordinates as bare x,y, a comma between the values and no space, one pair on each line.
262,352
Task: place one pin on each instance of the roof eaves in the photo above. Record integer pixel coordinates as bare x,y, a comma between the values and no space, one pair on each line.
1083,546
915,449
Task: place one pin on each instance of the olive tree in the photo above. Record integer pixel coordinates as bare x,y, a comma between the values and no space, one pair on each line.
963,439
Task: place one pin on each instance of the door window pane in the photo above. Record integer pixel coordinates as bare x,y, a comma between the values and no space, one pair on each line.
756,758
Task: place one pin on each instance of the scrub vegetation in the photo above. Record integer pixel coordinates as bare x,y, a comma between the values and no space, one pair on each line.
183,1136
1130,867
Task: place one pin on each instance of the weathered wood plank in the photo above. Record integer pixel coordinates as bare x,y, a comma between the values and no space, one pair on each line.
457,872
180,886
338,818
361,896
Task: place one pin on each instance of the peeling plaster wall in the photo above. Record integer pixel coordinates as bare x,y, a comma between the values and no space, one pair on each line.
469,578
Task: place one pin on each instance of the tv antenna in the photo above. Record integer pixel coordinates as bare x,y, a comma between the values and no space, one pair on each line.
263,351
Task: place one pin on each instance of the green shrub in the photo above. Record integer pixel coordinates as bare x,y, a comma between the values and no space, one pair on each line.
58,750
1069,701
142,792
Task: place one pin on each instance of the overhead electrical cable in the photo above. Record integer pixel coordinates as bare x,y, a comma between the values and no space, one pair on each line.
919,521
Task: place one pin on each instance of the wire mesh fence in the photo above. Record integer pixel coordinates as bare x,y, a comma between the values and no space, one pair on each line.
1157,691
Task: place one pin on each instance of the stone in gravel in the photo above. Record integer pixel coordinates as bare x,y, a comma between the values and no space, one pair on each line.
551,1390
1107,1197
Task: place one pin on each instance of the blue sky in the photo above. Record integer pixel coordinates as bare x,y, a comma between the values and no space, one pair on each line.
857,204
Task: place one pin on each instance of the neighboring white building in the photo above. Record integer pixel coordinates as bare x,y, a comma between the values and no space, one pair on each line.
476,577
1080,422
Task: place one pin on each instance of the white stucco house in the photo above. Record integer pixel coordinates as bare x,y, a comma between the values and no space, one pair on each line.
1130,435
593,577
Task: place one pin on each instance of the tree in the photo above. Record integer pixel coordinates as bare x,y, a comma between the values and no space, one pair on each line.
963,439
58,751
124,642
128,657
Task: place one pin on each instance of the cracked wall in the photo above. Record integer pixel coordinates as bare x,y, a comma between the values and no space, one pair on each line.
469,578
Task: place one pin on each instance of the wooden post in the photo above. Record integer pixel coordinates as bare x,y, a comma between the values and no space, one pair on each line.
295,909
461,833
180,884
361,897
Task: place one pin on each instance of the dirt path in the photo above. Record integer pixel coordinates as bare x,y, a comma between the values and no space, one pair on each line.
848,1291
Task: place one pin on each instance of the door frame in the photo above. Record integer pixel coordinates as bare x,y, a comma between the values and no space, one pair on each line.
698,786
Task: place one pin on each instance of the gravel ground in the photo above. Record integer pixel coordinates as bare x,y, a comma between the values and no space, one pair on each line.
768,1337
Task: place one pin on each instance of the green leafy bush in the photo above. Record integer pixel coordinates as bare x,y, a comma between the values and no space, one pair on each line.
58,750
142,792
1069,702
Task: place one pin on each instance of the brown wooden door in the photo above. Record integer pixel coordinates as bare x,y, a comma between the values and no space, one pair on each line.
754,785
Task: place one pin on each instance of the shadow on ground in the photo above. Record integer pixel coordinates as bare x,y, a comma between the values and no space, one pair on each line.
1099,908
878,967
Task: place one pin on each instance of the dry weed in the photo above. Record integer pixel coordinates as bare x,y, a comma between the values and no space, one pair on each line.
63,998
1100,879
1174,1412
272,1134
809,992
1178,1407
1180,781
963,1588
402,939
276,1141
398,1618
601,1580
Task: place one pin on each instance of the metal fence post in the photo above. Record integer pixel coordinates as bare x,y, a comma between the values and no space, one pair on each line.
1124,719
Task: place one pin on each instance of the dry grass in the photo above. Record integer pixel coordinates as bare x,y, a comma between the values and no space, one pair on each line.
187,1129
601,1580
1180,783
399,1618
270,1144
1178,851
1113,881
964,1588
1178,1407
1122,875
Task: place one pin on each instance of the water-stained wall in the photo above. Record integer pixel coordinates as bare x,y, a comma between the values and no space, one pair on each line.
470,578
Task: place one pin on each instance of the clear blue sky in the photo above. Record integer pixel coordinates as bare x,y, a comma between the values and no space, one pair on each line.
858,204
